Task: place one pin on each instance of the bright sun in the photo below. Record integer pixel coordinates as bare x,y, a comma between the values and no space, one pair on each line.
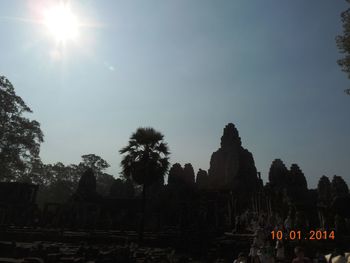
62,23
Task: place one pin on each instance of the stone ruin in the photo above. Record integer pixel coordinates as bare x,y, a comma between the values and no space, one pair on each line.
17,203
232,168
86,191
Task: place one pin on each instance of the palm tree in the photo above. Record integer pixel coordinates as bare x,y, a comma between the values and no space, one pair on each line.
145,161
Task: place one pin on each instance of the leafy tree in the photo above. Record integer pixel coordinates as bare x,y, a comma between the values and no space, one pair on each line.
95,162
20,137
122,189
343,43
104,183
58,182
145,160
98,165
36,174
62,183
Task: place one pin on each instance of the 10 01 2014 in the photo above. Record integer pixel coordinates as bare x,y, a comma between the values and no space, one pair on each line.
299,235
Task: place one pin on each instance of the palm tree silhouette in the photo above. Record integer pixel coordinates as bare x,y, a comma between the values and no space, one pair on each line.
145,162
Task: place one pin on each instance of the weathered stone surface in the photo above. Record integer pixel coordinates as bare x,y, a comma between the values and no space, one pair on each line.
296,177
247,173
278,174
179,177
175,175
86,191
232,169
202,179
296,185
224,163
340,205
189,177
324,191
339,187
232,166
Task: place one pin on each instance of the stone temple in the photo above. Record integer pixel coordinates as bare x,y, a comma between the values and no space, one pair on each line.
232,167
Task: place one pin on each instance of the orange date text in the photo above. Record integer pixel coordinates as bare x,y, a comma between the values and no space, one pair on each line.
300,235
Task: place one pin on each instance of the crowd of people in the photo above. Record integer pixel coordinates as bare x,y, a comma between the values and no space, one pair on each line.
264,249
336,256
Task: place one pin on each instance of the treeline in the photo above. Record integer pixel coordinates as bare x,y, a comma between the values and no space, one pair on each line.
20,140
58,181
145,162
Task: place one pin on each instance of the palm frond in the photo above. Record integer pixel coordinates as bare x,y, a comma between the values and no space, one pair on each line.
145,157
163,148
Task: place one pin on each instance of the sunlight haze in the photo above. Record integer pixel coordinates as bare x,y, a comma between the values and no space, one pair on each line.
186,68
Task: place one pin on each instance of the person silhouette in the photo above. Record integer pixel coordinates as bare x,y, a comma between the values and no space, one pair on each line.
300,257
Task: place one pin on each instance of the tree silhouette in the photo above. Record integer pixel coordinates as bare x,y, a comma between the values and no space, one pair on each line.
343,43
20,137
145,161
98,165
36,174
58,182
94,162
122,189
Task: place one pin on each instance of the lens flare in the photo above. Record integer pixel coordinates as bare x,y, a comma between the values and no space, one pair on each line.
62,23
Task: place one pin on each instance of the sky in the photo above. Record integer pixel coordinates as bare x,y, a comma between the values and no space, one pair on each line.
186,68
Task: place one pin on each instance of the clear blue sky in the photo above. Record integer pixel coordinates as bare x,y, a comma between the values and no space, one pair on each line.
187,68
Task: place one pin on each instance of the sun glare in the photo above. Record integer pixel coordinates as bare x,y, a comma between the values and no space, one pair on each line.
62,23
